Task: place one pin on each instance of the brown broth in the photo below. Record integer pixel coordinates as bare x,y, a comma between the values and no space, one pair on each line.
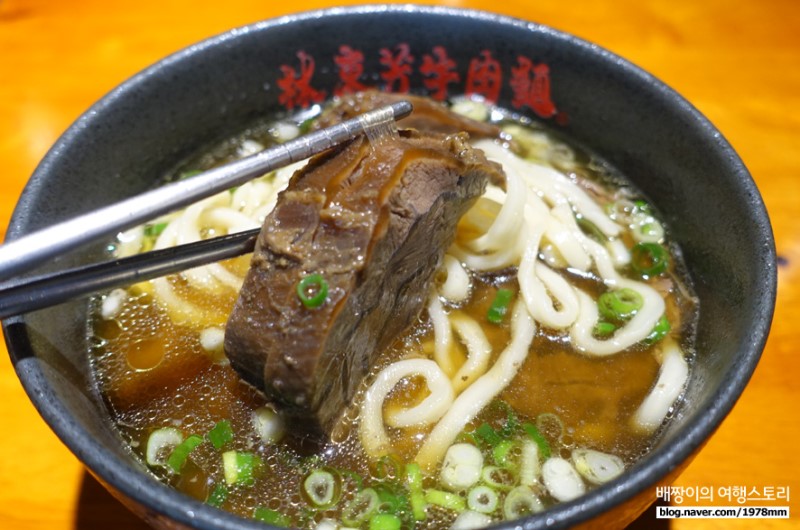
154,373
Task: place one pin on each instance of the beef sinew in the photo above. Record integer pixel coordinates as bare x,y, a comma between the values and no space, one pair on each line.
375,224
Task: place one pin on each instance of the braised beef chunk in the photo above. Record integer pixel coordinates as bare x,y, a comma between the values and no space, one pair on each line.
428,116
375,224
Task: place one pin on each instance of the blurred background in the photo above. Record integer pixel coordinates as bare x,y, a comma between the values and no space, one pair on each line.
737,62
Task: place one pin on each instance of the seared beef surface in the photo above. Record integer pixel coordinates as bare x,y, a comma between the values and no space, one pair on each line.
375,223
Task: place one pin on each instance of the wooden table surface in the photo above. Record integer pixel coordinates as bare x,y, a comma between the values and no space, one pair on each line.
738,62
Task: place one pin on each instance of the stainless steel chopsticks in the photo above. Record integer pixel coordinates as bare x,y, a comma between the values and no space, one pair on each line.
37,292
30,251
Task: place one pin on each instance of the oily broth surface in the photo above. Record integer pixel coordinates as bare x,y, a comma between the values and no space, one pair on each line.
154,373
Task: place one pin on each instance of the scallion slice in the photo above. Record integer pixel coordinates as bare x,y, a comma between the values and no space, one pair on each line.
160,445
538,438
591,229
155,229
416,495
275,518
181,452
388,467
392,499
220,434
461,467
521,501
361,507
312,290
498,478
649,259
217,496
603,329
660,331
512,422
482,499
619,305
505,453
239,467
445,499
488,434
384,521
189,174
321,488
642,206
529,465
268,424
497,311
596,467
648,230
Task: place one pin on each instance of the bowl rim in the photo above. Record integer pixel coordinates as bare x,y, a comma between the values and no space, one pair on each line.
160,500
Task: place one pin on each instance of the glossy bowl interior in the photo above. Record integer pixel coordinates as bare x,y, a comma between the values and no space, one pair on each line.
137,133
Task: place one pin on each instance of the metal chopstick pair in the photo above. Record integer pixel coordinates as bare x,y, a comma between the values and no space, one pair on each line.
29,251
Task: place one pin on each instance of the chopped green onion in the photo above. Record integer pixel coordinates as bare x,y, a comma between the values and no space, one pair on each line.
521,501
529,466
417,496
648,229
482,499
312,290
160,444
384,521
512,423
538,438
445,499
189,174
649,259
469,520
596,467
603,329
660,331
561,479
511,426
591,229
391,499
217,496
321,488
619,305
181,452
488,435
388,467
326,524
551,424
154,230
306,124
642,206
472,109
275,518
239,467
461,467
504,453
268,424
355,478
498,478
499,307
467,438
361,507
220,434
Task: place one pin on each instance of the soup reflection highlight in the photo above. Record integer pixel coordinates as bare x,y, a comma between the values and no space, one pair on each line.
556,341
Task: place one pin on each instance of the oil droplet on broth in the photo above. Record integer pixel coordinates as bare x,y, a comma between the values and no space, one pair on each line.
145,354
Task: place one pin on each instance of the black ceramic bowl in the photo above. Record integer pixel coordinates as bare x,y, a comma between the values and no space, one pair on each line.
133,136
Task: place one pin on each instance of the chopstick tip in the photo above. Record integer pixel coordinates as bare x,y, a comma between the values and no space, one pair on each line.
401,109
